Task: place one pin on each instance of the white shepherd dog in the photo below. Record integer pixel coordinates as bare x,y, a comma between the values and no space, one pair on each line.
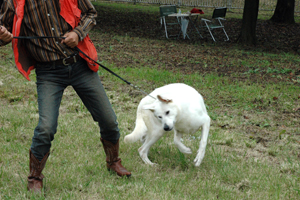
178,107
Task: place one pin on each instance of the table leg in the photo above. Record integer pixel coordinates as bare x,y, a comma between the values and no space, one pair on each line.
193,22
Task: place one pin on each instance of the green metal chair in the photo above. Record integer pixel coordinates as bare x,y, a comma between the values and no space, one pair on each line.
215,23
168,24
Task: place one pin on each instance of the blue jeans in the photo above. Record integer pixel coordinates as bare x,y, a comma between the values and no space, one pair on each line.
51,82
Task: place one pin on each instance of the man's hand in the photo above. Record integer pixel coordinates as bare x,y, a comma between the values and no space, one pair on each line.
5,35
71,39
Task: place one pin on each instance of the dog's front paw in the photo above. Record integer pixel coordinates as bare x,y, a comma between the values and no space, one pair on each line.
184,149
199,158
198,162
147,161
144,157
187,151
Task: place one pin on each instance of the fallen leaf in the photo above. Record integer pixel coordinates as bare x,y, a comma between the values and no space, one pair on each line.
296,109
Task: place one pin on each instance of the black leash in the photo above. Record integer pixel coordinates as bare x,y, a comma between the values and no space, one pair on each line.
37,37
134,86
76,48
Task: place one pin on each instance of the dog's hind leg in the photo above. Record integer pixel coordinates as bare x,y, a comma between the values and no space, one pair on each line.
203,142
177,140
144,149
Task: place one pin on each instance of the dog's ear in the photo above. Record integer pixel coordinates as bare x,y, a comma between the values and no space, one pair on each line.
149,107
164,100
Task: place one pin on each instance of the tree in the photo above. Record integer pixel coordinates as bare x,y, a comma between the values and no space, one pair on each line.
248,32
284,12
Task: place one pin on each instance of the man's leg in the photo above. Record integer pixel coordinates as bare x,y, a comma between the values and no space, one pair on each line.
50,92
88,86
51,83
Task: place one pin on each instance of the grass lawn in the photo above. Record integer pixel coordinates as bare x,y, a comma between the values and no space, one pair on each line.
252,97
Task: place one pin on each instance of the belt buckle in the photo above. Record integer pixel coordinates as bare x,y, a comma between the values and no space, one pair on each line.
64,61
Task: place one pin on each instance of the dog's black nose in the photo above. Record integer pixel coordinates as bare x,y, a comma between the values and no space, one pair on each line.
167,128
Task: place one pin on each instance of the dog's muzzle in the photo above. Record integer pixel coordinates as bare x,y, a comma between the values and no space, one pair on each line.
167,128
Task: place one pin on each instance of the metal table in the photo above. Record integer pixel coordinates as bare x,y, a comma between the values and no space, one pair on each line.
185,18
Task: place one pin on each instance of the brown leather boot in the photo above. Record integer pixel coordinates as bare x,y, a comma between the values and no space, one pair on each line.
35,178
112,158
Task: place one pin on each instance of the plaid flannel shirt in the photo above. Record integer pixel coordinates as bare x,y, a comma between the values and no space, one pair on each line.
42,18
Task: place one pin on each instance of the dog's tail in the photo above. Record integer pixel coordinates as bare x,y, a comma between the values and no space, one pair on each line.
140,128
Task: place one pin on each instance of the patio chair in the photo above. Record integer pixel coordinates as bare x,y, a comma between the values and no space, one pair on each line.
215,22
168,23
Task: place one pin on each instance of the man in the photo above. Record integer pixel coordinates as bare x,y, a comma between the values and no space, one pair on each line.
57,64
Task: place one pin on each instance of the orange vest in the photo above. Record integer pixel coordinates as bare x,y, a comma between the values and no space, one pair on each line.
71,13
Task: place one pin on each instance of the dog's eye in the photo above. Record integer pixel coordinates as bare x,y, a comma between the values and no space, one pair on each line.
167,112
159,117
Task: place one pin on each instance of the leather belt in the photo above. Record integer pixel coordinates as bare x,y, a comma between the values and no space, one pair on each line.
65,61
68,61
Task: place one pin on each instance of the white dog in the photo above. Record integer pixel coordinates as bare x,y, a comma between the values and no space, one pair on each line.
178,107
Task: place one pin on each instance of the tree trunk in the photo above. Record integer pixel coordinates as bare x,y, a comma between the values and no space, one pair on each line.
284,12
248,32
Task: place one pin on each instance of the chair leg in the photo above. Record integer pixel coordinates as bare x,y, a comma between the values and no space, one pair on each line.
212,35
226,35
161,23
165,27
210,32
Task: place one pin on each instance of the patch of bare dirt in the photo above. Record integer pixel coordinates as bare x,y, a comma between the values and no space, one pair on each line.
272,38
